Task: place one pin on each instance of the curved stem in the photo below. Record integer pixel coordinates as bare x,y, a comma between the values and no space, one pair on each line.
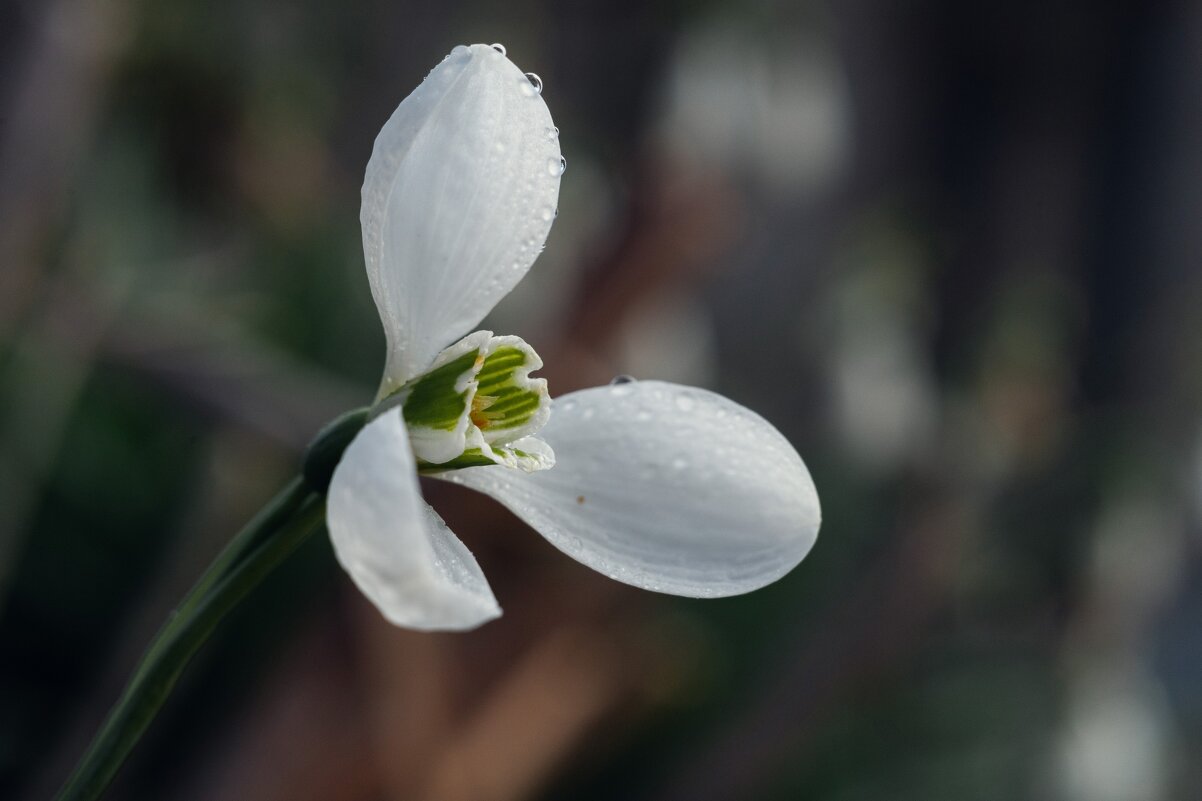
266,541
276,513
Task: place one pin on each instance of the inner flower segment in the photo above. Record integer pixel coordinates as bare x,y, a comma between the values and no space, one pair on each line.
477,405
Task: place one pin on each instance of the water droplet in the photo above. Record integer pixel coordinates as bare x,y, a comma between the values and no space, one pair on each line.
555,132
622,379
684,403
554,168
535,81
563,165
500,48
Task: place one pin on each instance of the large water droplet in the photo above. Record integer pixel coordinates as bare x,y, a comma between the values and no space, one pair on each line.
500,48
622,379
535,81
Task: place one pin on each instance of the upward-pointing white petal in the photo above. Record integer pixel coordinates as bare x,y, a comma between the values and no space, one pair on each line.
396,548
665,487
458,199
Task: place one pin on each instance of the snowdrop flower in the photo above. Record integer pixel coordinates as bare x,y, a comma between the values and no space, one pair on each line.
664,487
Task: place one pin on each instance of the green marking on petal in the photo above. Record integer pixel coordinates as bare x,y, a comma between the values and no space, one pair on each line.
508,403
472,457
438,399
535,455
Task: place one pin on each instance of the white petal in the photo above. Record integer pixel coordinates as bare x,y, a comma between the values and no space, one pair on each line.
665,487
459,196
396,548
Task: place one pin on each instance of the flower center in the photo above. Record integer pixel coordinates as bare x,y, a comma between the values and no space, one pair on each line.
477,405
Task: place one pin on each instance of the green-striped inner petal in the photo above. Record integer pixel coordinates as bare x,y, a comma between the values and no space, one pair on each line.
469,409
433,400
502,402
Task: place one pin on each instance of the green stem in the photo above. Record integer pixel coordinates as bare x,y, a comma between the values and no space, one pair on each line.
266,541
270,518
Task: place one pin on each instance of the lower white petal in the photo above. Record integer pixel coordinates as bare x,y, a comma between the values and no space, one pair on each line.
395,547
665,487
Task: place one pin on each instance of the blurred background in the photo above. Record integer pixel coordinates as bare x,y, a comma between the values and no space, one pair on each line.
951,250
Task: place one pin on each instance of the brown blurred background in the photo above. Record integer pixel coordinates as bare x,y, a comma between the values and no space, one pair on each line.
951,250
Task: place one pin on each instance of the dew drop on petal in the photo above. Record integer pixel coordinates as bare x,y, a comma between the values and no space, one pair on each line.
563,165
536,82
500,48
553,167
622,379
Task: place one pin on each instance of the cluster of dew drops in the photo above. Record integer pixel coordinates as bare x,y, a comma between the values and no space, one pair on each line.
534,86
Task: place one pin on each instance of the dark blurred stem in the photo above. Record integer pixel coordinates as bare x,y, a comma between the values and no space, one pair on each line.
267,540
